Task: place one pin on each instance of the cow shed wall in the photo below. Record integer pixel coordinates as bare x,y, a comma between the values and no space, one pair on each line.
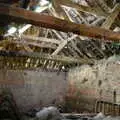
34,88
88,84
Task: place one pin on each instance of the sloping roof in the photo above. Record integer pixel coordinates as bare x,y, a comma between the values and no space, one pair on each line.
78,49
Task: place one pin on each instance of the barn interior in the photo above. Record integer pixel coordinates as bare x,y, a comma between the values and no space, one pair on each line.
59,59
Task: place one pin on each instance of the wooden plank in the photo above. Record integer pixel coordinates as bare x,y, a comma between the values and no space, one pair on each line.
57,58
39,39
103,6
64,42
42,45
77,115
91,10
20,15
26,44
62,45
58,10
111,18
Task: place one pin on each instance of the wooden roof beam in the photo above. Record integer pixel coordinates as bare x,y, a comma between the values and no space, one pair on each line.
92,10
39,39
26,44
8,14
111,18
58,58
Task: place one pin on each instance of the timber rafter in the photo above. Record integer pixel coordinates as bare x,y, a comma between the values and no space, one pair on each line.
48,48
23,16
29,60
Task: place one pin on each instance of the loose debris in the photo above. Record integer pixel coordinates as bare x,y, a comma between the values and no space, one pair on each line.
8,107
49,113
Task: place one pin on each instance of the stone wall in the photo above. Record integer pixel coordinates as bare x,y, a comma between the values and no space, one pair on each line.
81,86
97,82
34,88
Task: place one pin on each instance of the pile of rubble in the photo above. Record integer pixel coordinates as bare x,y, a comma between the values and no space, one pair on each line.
100,116
52,113
9,111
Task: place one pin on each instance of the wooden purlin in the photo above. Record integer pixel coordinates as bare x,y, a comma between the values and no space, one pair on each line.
57,58
21,63
23,16
39,39
111,18
92,10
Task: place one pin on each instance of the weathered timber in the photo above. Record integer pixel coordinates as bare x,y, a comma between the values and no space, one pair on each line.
57,58
62,45
91,10
58,9
103,6
26,42
39,39
9,13
111,18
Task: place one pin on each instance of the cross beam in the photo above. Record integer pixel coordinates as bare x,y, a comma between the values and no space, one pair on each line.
9,14
57,58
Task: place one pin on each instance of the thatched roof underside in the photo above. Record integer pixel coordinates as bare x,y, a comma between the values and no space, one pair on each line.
33,47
